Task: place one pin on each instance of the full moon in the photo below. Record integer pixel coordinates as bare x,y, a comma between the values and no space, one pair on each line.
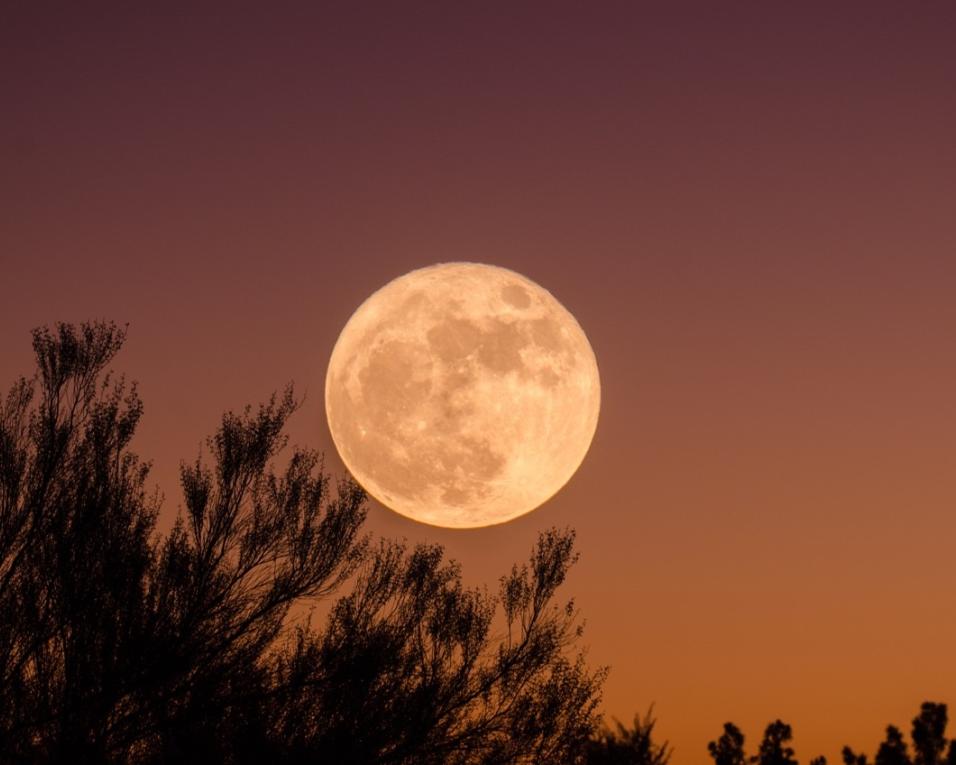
462,395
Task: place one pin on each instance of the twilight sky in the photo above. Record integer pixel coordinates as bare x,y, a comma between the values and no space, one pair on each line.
750,208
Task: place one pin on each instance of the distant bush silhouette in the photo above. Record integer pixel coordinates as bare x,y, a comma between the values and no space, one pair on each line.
628,746
729,748
118,644
774,749
930,746
928,736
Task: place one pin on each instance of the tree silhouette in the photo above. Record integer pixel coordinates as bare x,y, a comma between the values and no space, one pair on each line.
852,758
118,644
928,734
929,739
774,749
729,748
628,746
112,642
930,745
74,548
408,650
893,749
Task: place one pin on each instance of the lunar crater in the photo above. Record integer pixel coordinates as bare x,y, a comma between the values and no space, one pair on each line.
516,296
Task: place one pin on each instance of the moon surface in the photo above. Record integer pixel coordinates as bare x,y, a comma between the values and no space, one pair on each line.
462,395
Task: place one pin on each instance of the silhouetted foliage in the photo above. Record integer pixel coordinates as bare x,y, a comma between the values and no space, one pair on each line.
118,644
628,746
893,750
403,673
729,748
930,745
774,749
852,758
928,734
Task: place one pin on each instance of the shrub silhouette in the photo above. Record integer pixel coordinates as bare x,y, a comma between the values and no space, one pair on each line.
930,746
118,644
773,748
729,748
628,746
893,750
928,734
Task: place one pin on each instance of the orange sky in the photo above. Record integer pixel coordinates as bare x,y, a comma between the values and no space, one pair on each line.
749,208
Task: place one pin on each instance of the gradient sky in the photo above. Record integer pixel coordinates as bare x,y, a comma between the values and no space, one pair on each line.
749,207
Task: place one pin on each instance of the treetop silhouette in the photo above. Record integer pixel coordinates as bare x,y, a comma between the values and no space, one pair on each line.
628,746
928,735
930,746
118,644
